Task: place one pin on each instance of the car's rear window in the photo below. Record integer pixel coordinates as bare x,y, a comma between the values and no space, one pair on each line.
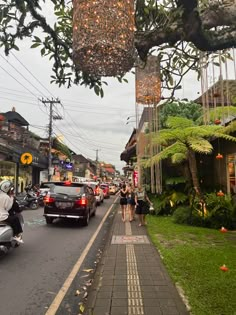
104,186
63,188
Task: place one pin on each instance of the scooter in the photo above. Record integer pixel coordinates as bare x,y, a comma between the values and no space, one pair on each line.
7,241
30,201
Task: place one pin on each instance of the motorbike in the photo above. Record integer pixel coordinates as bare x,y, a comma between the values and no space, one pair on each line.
28,201
7,241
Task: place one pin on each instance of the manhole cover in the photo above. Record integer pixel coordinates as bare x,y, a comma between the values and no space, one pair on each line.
130,239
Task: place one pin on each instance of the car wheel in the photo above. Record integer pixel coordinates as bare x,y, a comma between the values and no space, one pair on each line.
86,220
49,220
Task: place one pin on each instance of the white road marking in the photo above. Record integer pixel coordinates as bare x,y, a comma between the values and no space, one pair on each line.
65,287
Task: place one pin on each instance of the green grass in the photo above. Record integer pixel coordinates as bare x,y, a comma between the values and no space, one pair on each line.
193,257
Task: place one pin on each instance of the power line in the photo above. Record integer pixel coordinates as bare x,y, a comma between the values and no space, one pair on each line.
22,76
18,81
31,74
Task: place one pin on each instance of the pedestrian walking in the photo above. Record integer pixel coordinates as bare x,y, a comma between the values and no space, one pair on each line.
131,202
123,192
142,204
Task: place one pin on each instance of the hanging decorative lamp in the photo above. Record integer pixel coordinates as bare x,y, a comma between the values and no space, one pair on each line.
147,81
103,36
219,156
220,193
224,268
217,122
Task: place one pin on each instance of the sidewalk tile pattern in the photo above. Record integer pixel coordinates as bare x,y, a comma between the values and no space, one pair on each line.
131,278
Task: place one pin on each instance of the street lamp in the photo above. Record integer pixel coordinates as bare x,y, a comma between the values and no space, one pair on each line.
130,117
130,121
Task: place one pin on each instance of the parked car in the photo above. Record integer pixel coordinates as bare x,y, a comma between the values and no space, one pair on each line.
105,188
43,190
69,200
113,189
98,192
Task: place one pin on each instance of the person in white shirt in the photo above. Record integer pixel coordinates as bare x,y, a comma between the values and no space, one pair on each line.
142,207
6,202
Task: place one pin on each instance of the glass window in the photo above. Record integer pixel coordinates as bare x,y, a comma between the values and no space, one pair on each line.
62,188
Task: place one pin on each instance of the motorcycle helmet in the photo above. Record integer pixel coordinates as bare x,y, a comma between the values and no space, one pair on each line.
6,186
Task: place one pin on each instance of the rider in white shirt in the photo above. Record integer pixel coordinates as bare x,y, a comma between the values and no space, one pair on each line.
6,202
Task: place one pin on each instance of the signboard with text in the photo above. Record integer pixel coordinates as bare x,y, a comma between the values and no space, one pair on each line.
135,178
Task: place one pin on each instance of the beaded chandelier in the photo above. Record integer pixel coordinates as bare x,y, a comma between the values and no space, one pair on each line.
147,80
103,36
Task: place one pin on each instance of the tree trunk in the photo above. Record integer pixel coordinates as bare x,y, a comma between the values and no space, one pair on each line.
187,174
193,169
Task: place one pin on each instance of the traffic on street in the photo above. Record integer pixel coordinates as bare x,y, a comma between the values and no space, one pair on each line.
33,273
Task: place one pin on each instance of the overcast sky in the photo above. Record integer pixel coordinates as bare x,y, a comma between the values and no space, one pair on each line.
89,123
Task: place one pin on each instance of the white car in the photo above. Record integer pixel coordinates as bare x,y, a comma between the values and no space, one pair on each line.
98,192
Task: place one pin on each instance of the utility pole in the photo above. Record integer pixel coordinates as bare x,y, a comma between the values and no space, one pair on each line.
97,168
51,117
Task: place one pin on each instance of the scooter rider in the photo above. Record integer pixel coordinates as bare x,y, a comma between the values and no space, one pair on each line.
6,202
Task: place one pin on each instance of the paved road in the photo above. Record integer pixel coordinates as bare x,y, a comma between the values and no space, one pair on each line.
31,275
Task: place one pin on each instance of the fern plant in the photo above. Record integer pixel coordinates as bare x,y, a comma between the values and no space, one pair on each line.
183,139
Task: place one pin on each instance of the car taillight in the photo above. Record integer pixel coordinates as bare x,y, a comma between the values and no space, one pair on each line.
96,192
48,199
81,202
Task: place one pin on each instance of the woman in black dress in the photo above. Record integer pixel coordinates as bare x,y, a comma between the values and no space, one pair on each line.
123,201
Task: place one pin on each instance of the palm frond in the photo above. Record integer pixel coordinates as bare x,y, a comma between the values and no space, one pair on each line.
230,128
176,148
178,122
163,137
225,136
200,145
178,158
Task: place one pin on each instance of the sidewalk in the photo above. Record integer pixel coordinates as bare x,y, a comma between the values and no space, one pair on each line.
130,278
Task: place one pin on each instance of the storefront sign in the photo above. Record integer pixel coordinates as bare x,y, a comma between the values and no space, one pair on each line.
55,161
135,177
26,158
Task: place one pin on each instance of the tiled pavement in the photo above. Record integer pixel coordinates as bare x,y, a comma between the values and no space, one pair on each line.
131,278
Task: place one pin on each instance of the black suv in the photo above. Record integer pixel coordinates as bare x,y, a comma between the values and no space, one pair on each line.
69,200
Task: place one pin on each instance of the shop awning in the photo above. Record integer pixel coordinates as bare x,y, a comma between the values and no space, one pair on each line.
128,153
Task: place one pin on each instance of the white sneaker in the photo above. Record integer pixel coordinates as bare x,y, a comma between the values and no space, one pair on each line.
18,239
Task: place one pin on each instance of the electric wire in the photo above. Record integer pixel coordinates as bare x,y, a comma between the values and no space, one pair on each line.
22,76
32,74
84,140
18,81
73,145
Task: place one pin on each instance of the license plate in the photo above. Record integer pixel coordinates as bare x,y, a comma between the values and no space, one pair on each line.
64,205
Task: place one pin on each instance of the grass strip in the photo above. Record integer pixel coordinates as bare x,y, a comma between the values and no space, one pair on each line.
193,256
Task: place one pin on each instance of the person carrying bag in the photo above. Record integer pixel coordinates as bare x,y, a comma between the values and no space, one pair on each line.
143,204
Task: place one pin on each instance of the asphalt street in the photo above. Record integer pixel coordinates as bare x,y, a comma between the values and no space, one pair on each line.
32,275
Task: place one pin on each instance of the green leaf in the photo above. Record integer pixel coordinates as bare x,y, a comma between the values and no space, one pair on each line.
35,45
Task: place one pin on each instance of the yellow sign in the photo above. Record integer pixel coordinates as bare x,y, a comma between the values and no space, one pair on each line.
26,158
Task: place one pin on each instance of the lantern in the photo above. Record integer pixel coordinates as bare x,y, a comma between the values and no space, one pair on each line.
223,230
219,156
148,83
217,122
103,36
220,193
224,268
